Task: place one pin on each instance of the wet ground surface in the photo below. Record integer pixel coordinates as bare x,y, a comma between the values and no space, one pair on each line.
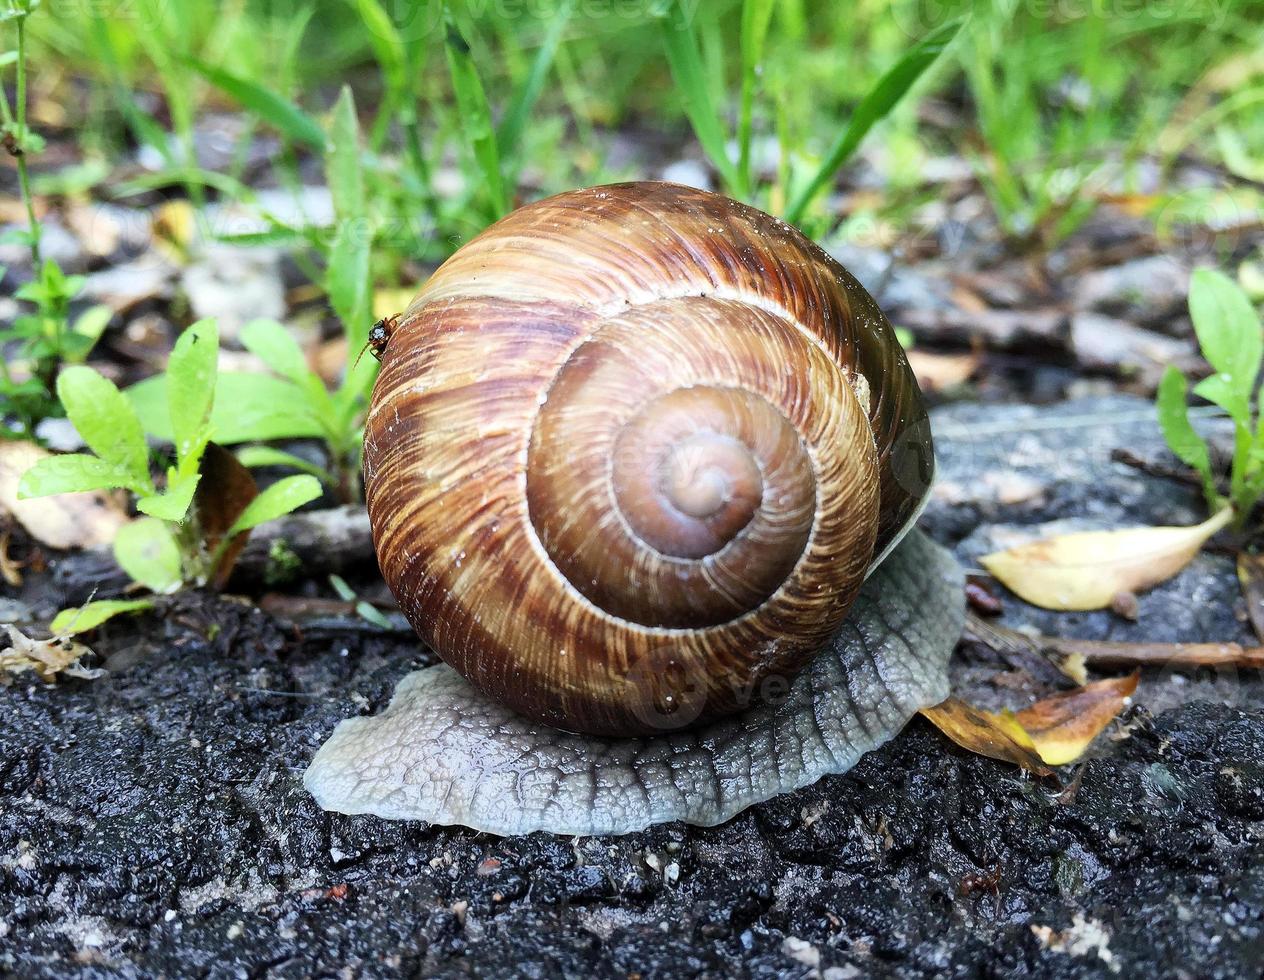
154,821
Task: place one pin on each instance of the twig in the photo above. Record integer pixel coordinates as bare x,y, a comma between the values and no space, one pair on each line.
1111,654
1179,474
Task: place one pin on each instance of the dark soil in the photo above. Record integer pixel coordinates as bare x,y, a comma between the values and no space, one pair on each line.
154,821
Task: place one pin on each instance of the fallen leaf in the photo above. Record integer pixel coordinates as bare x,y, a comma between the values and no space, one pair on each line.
65,520
47,658
1251,577
937,372
174,225
1086,570
997,736
224,491
10,570
1063,725
1052,732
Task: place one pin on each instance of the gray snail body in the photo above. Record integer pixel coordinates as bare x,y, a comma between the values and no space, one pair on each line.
632,455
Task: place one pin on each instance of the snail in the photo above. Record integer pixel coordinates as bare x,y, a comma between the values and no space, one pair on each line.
632,454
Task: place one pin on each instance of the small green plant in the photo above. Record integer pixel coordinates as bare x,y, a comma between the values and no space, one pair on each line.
169,546
39,343
1232,340
363,608
36,343
339,415
294,402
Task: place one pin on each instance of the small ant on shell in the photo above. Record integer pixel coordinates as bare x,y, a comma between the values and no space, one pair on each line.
379,336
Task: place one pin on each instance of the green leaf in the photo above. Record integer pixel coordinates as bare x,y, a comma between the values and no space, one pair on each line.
105,419
1220,389
347,275
272,344
191,387
370,613
345,592
877,104
475,114
173,505
347,279
254,456
80,619
90,324
690,77
1228,329
279,235
249,407
342,168
1188,446
280,498
266,104
147,551
388,45
71,474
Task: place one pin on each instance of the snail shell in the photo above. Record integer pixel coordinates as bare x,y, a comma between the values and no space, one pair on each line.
632,452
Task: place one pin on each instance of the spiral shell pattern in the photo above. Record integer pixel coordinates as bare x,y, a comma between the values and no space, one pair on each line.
632,452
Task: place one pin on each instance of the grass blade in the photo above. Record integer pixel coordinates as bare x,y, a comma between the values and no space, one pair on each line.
266,104
475,114
877,104
388,46
510,130
347,277
756,15
686,68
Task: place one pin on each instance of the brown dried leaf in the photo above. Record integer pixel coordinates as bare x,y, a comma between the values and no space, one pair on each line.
47,658
1086,570
66,520
222,494
329,359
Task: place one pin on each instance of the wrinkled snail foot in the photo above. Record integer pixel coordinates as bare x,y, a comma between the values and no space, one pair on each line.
445,753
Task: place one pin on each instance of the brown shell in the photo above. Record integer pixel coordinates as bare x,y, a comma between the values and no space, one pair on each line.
631,453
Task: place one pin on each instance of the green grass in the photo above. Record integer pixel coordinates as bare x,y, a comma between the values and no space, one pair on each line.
430,120
497,95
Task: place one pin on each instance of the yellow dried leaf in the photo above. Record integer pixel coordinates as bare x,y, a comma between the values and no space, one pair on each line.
1052,732
66,520
174,225
997,736
1086,570
1063,726
936,372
